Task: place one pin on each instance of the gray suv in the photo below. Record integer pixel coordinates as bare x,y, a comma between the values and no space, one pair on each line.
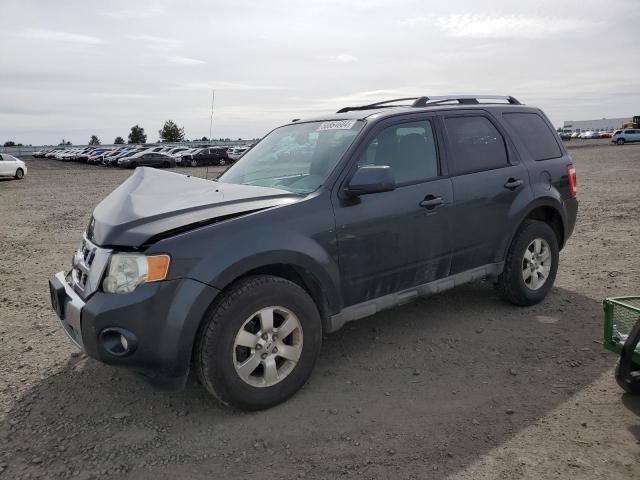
324,221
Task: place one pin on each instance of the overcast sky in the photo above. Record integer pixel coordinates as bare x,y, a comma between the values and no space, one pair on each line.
74,68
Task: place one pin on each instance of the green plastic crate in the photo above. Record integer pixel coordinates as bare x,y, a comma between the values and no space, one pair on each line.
620,315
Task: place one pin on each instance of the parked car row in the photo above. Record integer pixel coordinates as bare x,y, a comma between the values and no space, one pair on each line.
132,156
591,134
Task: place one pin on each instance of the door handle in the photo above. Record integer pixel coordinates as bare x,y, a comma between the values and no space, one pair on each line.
430,202
513,183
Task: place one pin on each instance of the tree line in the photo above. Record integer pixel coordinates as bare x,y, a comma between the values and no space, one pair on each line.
170,133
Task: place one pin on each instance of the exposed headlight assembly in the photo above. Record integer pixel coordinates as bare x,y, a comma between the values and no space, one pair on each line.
128,270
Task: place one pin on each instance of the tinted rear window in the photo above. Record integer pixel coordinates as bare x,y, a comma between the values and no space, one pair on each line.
476,144
535,135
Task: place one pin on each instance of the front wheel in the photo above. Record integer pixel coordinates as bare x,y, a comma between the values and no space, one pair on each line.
194,162
620,141
19,174
531,264
259,344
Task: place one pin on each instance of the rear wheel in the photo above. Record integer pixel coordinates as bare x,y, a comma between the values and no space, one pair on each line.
134,164
620,141
531,264
166,164
222,162
259,344
19,174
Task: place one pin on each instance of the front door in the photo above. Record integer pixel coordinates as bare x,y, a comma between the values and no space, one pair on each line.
395,240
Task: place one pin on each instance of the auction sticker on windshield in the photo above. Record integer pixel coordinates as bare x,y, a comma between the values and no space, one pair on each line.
337,125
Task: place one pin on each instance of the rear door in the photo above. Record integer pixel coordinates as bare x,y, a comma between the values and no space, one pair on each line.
487,179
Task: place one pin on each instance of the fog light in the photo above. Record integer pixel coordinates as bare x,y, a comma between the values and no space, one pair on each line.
118,341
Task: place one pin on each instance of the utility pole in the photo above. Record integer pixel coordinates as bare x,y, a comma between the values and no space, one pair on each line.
213,96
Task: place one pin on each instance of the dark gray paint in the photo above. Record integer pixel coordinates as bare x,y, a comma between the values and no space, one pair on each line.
355,255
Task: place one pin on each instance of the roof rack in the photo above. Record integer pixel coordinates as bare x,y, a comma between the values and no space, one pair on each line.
462,99
376,105
435,100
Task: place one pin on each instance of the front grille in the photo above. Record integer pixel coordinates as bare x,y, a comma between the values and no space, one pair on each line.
89,263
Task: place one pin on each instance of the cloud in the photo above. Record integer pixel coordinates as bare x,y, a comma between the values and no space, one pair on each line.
159,43
148,13
343,58
222,85
414,21
129,96
485,26
58,36
185,60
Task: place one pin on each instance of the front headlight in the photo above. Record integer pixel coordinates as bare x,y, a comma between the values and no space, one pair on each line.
128,270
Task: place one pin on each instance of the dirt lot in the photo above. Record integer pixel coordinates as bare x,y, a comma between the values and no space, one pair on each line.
459,386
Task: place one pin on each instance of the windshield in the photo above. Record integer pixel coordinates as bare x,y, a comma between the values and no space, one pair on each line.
297,158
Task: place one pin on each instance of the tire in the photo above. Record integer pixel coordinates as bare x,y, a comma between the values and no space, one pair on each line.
218,357
134,164
222,162
511,283
19,174
166,164
620,141
632,387
193,162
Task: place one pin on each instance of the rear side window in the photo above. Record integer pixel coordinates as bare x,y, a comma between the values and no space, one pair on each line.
476,144
535,134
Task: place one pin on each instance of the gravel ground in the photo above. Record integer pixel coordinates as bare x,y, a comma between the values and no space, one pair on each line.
460,385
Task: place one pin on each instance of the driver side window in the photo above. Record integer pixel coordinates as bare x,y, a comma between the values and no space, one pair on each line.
408,148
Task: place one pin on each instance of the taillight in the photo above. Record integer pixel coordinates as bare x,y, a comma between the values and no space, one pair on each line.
573,183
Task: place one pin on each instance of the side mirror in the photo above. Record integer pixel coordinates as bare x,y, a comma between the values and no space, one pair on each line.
371,179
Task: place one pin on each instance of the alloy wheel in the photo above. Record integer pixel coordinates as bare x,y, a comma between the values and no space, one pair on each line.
536,264
268,346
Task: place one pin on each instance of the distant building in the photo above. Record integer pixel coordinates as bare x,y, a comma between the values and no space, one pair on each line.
604,124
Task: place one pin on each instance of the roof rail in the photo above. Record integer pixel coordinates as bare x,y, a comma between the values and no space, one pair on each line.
377,104
462,99
435,100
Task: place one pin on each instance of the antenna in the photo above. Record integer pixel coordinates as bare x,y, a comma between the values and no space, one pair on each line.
213,96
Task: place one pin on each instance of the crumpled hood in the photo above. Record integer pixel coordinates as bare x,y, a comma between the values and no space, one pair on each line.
153,202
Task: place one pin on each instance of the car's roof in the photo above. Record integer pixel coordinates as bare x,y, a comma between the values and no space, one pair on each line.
384,112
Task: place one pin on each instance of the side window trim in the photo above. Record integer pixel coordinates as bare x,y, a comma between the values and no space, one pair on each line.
511,159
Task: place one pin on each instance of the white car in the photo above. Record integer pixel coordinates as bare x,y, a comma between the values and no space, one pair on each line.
589,134
237,152
11,166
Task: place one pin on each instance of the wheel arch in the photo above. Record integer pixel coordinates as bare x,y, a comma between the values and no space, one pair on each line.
547,210
295,267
